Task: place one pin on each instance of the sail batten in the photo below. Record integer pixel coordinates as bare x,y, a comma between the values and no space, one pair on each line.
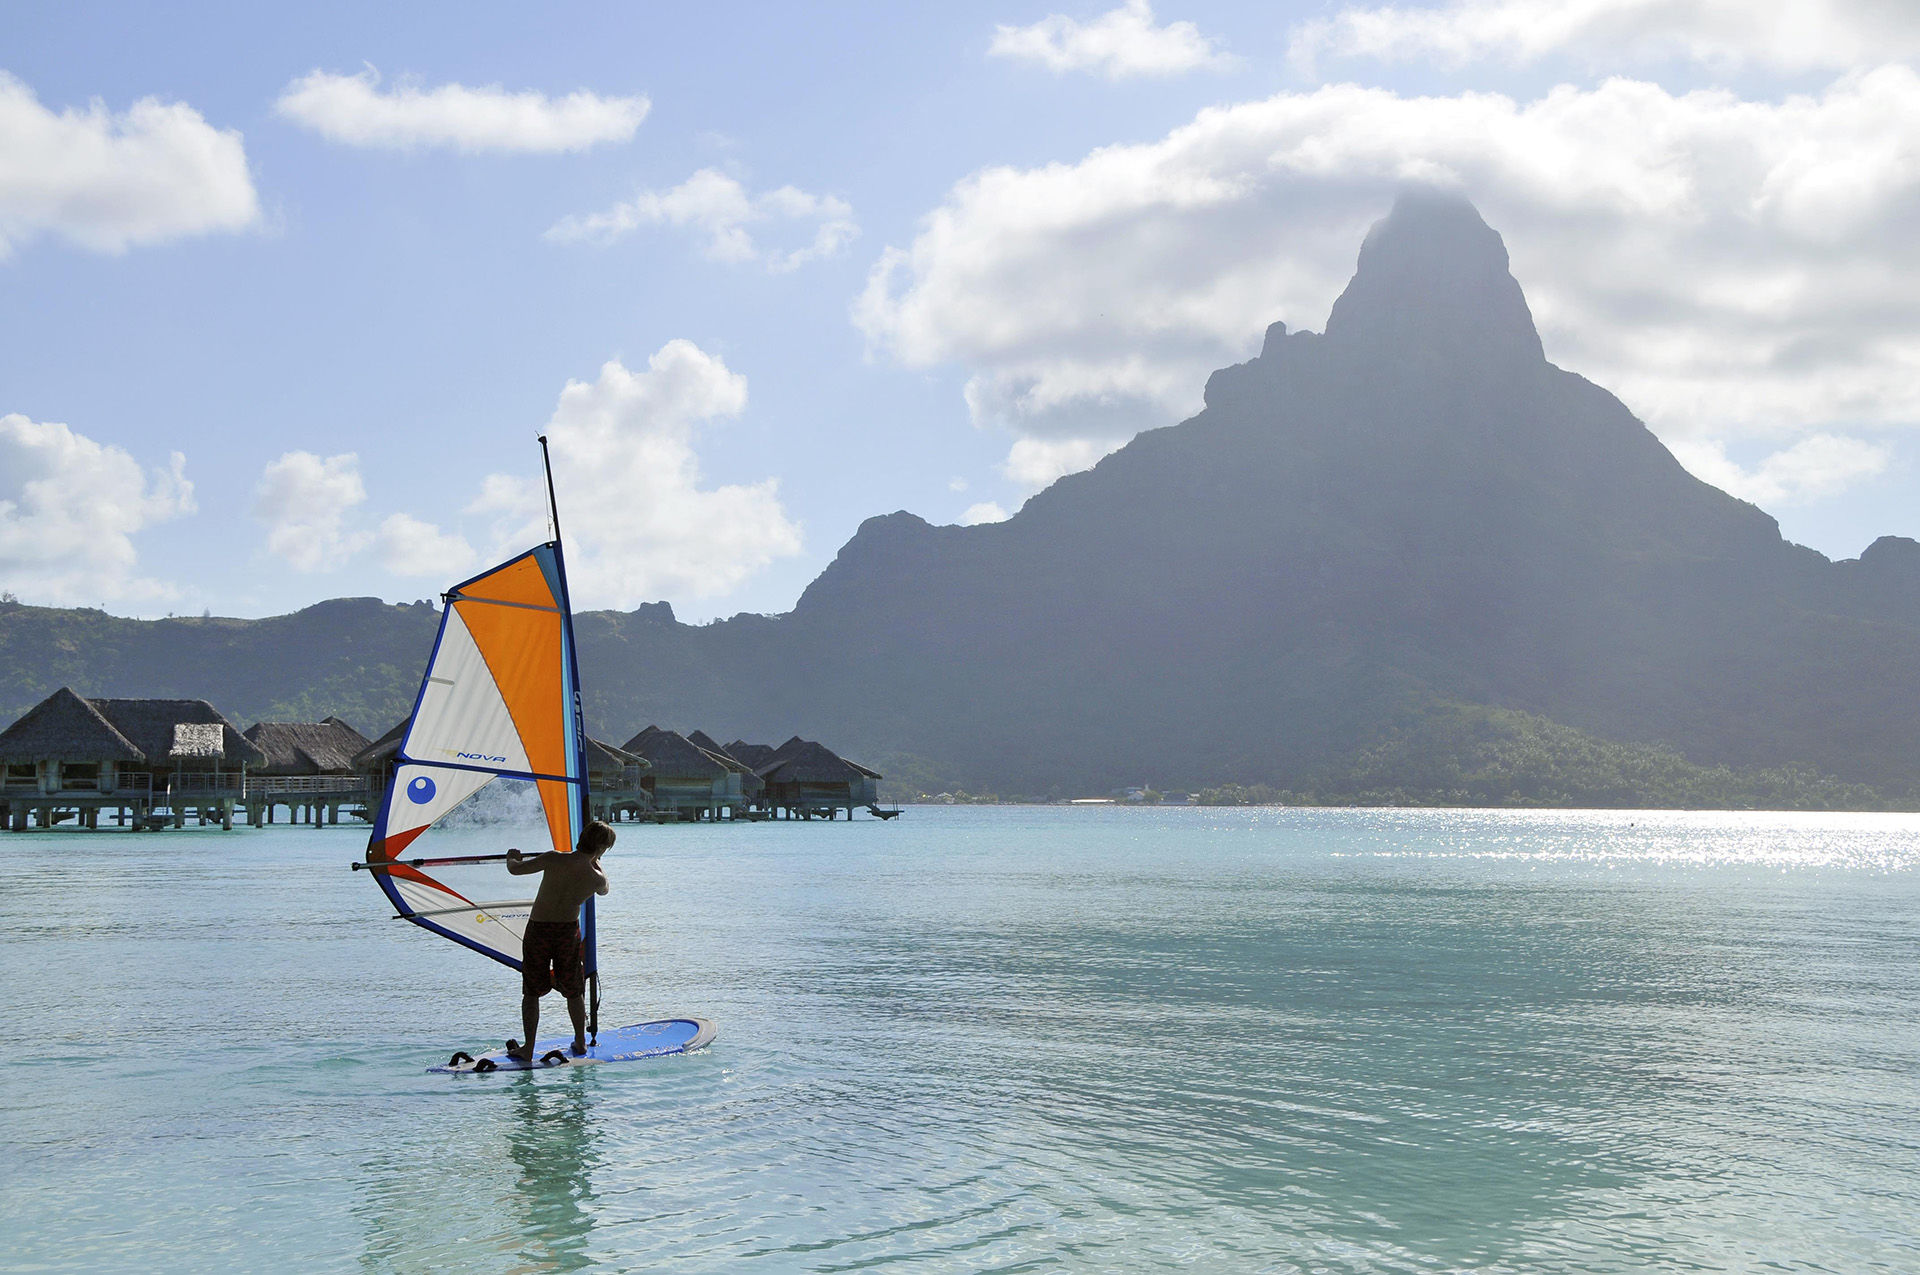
499,700
497,774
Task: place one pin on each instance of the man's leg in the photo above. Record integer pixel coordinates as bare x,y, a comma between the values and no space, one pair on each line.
577,1011
529,1023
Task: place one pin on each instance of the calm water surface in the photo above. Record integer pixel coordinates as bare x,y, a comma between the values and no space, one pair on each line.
995,1039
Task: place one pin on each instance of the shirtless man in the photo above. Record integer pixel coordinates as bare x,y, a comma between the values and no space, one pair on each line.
551,953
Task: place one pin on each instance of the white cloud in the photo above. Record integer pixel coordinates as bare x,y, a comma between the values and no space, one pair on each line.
985,511
109,182
355,111
639,524
1119,43
719,207
313,510
1033,463
1788,35
305,501
410,547
69,509
1729,267
1816,467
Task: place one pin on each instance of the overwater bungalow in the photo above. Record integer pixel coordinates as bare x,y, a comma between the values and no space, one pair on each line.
686,779
616,787
808,780
750,784
309,770
147,762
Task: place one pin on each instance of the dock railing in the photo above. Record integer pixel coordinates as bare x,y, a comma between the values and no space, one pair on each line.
262,785
265,784
221,785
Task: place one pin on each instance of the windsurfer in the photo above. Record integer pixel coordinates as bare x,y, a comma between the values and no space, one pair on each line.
551,951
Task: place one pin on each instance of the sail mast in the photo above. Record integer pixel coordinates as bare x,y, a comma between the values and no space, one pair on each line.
589,930
553,505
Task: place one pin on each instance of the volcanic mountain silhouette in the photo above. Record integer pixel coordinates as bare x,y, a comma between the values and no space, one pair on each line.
1409,513
1414,507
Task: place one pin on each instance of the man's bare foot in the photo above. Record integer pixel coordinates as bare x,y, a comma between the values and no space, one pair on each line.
579,1047
522,1052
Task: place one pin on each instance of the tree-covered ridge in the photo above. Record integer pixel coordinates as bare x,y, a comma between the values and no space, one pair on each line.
1474,755
355,658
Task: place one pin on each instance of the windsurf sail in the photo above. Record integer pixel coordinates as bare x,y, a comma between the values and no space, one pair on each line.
500,700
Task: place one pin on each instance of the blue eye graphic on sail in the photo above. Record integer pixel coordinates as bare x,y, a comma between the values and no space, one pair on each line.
420,791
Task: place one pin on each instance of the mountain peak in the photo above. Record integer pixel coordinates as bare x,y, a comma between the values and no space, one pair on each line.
1433,278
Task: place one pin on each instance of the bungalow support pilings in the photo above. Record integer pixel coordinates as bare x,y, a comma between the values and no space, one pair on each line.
141,814
261,806
23,813
315,809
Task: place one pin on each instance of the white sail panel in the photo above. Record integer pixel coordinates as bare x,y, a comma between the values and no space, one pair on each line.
496,928
421,794
463,719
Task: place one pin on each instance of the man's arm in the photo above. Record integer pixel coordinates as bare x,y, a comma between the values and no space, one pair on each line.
600,885
519,865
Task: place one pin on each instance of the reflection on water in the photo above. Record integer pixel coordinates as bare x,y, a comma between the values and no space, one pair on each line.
499,1178
549,1138
1005,1039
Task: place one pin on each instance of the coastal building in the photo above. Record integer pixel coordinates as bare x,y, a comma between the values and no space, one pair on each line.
147,762
750,784
309,770
686,780
374,763
615,783
807,780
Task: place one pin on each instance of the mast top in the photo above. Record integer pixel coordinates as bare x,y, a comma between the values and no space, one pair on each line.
553,505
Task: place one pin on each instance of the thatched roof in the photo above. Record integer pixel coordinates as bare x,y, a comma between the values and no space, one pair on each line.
307,748
674,756
604,756
802,761
704,742
381,750
151,732
150,725
753,756
64,727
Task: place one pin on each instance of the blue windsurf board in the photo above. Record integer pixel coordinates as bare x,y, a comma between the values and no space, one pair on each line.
657,1039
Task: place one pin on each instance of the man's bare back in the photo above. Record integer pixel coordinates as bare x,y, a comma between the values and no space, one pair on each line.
566,881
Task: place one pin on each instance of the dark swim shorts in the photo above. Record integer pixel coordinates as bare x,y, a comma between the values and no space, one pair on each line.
550,958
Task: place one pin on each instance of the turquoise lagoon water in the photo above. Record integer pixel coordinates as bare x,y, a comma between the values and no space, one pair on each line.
1010,1039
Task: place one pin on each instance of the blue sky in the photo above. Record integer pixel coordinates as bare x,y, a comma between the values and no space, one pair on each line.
285,297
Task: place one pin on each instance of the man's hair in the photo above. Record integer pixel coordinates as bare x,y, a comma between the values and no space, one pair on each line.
597,836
